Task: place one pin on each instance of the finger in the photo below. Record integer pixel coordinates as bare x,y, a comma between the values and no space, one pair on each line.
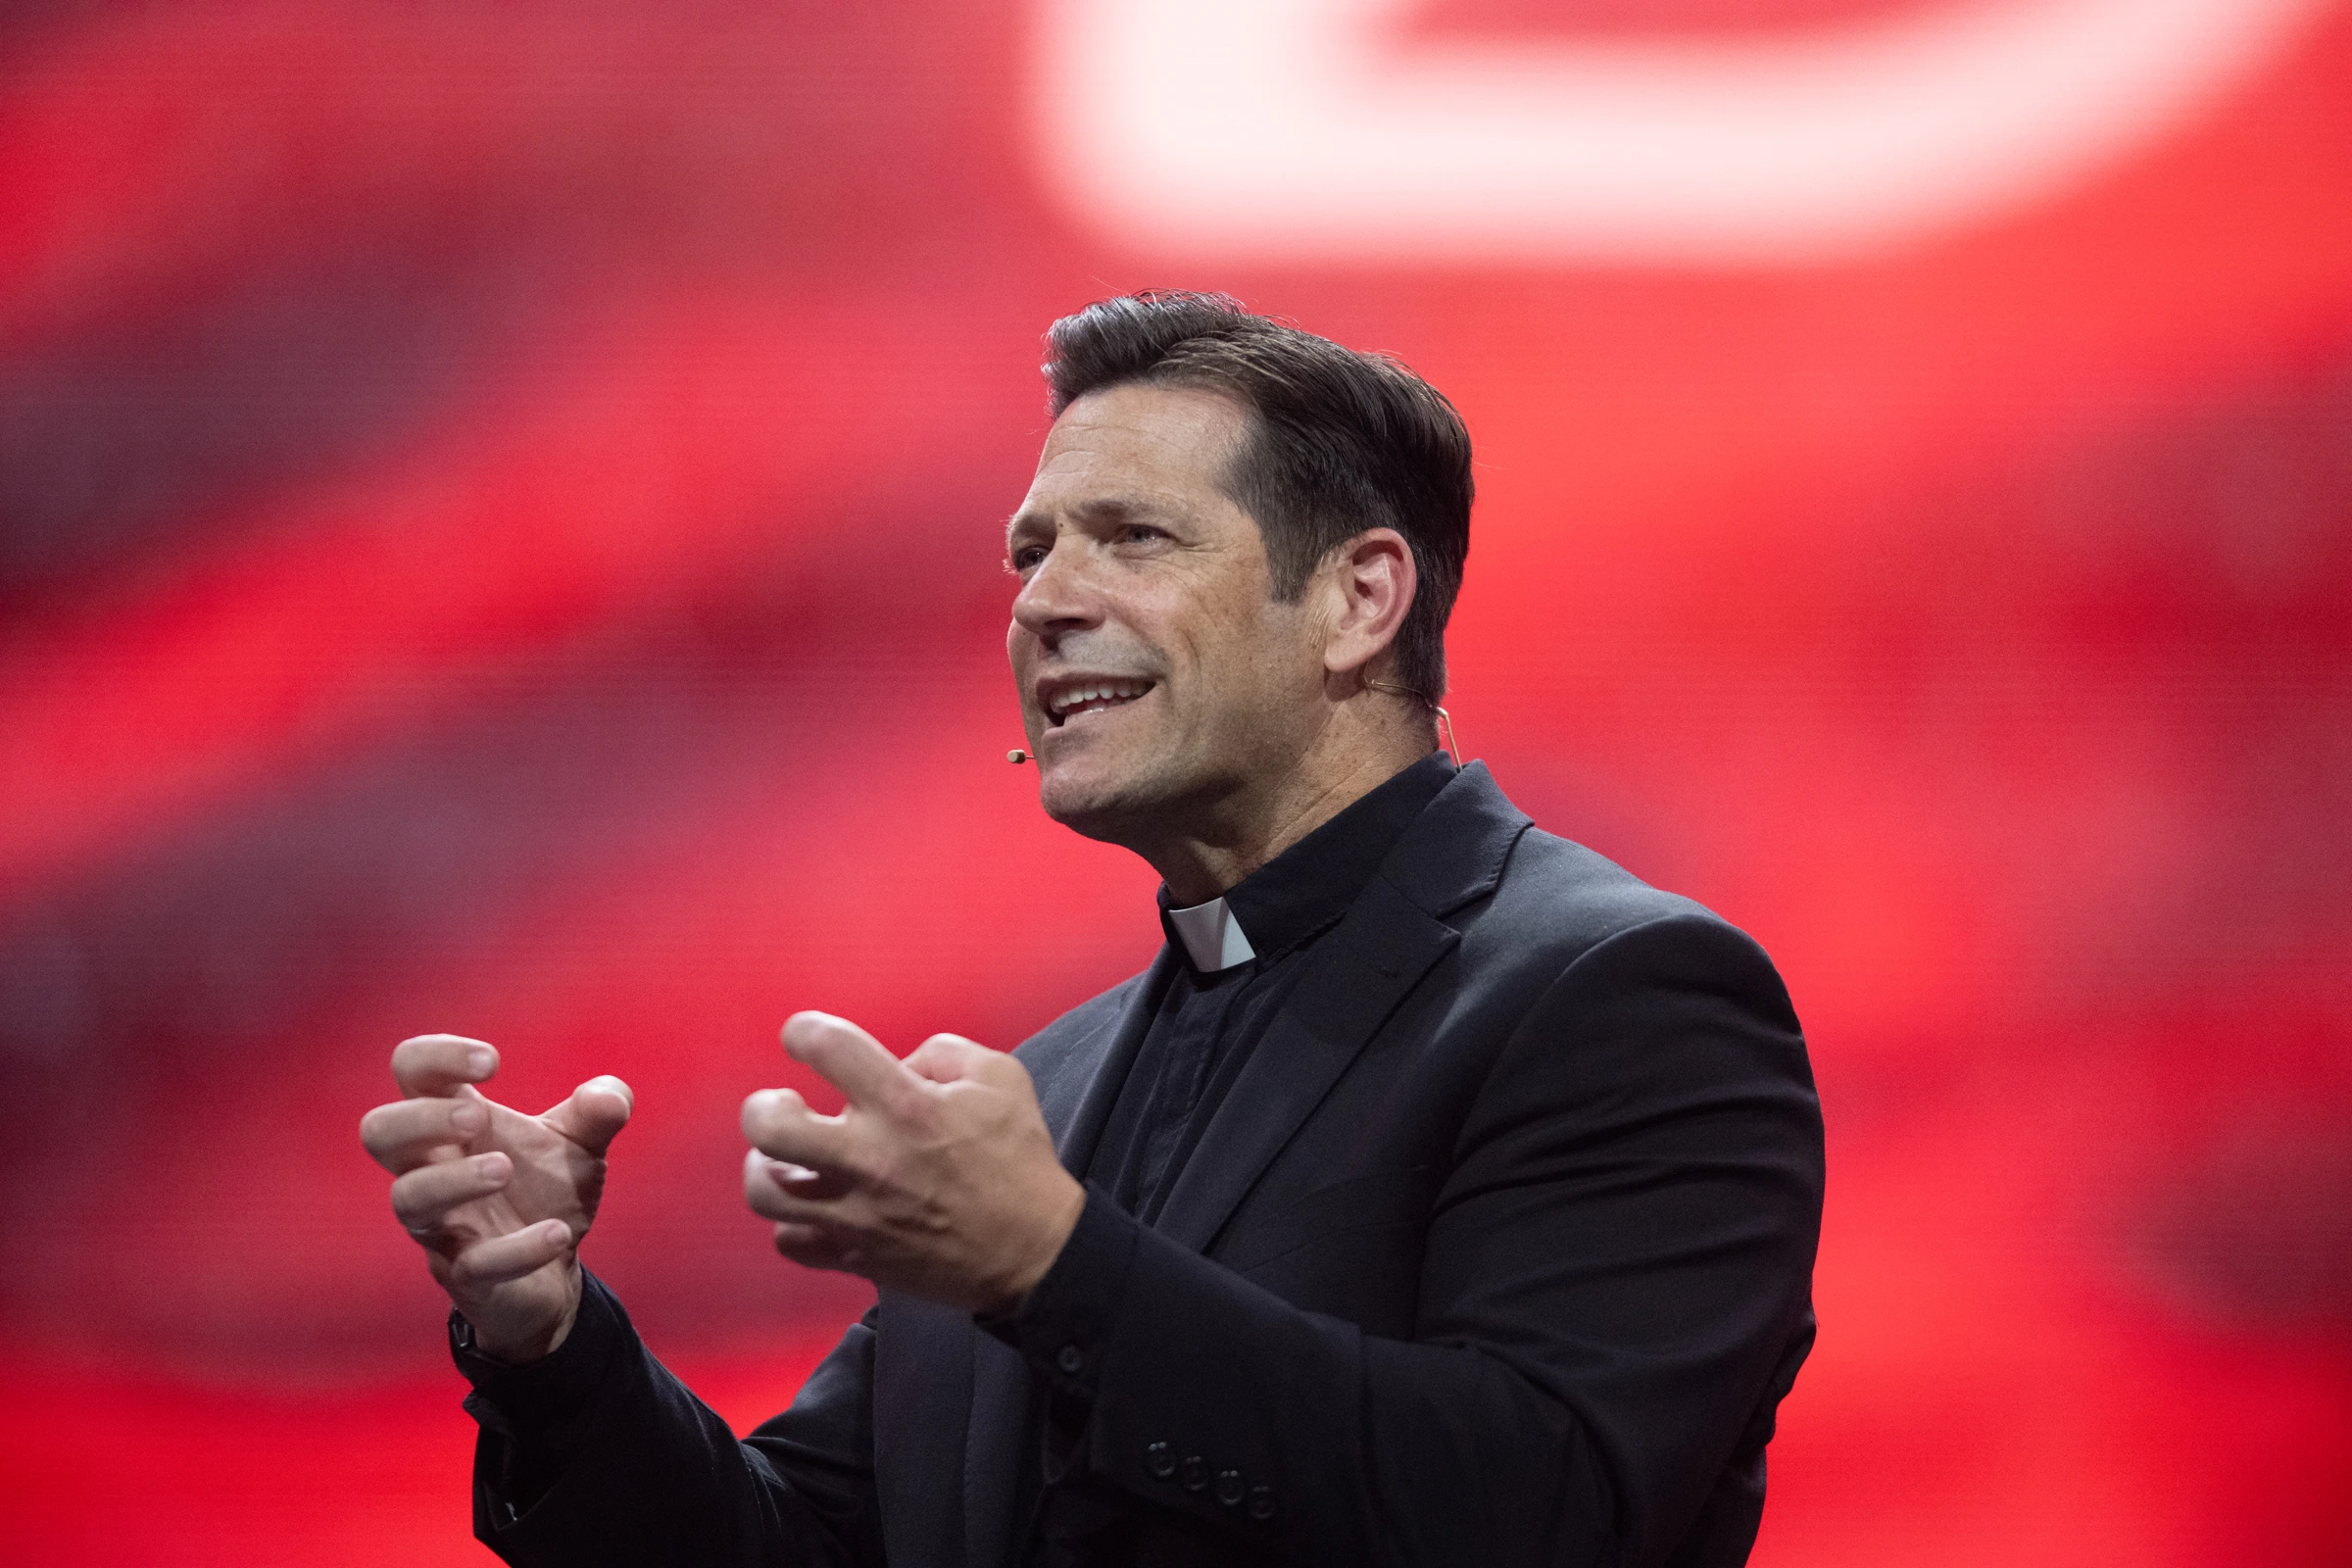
816,1185
773,1190
950,1060
595,1114
435,1064
778,1123
946,1058
407,1133
799,1181
510,1257
811,1247
852,1061
765,1196
423,1198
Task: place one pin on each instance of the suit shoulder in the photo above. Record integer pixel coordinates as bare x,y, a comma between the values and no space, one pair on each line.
1568,924
1583,893
1561,900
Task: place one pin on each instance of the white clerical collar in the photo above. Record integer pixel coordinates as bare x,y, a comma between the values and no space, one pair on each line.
1212,936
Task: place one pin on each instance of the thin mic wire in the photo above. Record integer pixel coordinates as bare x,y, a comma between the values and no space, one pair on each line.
1445,719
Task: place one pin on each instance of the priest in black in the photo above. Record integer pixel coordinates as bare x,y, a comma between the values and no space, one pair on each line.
1442,1194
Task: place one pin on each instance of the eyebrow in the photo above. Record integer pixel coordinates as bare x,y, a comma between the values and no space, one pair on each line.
1109,509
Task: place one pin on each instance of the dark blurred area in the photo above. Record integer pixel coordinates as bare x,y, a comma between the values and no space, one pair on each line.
501,527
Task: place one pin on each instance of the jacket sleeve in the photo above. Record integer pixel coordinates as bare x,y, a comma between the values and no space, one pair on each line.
1614,1295
609,1458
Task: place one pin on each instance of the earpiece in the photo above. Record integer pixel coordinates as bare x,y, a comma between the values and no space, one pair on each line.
1018,756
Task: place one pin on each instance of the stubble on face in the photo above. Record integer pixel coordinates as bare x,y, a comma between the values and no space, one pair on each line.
1141,575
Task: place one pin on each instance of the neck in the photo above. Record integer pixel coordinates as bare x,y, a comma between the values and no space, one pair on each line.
1199,864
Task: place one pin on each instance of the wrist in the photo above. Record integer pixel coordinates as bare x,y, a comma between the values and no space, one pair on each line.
520,1350
518,1340
1061,1218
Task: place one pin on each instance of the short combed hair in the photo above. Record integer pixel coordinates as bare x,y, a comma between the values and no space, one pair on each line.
1342,441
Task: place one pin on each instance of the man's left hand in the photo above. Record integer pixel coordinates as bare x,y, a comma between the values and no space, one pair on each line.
938,1178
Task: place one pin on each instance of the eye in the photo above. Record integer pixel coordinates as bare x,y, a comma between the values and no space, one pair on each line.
1025,559
1140,533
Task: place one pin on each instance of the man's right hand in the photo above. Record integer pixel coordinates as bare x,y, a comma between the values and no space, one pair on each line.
498,1200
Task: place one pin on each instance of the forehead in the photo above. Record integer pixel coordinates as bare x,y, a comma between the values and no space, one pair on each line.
1158,444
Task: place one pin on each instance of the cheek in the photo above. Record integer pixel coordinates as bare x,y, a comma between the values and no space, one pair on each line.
1266,650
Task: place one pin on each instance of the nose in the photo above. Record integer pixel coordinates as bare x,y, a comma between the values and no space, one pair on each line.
1058,598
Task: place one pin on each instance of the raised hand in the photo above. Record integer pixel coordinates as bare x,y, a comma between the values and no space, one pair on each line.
938,1179
500,1201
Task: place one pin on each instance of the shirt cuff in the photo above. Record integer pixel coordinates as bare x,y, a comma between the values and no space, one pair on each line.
542,1400
1064,1326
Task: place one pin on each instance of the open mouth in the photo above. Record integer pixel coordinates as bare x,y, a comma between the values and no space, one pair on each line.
1089,695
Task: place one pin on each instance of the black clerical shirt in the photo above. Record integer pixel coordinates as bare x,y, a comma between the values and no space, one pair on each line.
1207,1020
1204,1024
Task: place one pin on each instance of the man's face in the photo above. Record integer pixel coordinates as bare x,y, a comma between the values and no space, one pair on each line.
1159,681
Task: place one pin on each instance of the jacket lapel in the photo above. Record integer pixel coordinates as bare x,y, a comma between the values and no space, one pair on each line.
992,1448
1355,976
923,1365
1075,1090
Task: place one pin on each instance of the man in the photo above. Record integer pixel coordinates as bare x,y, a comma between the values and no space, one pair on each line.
1441,1194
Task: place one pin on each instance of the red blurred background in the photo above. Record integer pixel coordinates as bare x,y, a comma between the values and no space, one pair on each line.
500,531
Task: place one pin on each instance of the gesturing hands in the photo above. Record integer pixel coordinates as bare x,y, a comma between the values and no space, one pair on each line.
498,1200
938,1179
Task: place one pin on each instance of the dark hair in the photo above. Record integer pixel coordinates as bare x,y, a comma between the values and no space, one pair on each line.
1342,441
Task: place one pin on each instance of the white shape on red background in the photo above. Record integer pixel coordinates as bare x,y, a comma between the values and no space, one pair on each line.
1302,129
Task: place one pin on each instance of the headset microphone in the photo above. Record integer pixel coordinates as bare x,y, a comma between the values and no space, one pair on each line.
1018,757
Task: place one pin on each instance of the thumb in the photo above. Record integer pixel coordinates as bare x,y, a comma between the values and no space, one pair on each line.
595,1111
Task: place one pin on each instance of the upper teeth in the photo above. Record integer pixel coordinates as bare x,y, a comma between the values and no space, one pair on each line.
1079,697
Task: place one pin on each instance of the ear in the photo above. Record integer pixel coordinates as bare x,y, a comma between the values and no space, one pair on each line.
1369,584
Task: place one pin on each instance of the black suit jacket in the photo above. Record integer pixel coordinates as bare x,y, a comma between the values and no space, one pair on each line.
1498,1253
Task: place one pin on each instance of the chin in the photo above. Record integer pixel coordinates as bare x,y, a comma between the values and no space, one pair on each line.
1089,811
1094,801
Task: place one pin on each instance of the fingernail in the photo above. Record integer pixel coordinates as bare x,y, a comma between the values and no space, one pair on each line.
479,1061
466,1118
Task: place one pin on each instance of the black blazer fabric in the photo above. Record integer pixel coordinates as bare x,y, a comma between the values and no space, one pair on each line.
1499,1252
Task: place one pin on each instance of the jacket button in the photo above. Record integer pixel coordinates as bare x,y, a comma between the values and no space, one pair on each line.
1195,1473
1261,1503
1160,1460
1069,1359
1229,1487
